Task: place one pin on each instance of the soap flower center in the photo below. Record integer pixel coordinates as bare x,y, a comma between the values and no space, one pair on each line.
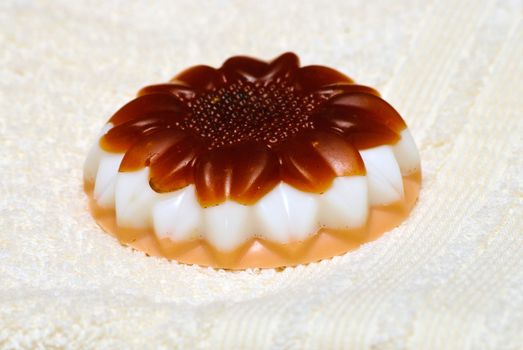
261,111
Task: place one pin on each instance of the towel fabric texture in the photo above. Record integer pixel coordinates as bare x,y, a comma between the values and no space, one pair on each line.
450,277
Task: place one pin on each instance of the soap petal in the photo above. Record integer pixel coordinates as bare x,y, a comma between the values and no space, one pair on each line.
243,173
406,153
144,106
383,175
174,168
311,78
311,160
134,199
200,77
355,126
179,90
151,147
331,90
345,204
106,179
370,106
255,171
94,156
212,177
178,215
286,214
243,68
282,66
227,225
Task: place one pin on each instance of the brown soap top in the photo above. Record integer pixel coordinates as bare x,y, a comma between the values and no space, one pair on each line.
237,131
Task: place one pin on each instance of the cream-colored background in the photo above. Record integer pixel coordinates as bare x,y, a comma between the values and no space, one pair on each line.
451,277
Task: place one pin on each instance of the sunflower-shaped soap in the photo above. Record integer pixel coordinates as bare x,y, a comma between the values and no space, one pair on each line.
253,164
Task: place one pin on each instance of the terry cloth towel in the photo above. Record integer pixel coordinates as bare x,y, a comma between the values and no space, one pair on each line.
450,277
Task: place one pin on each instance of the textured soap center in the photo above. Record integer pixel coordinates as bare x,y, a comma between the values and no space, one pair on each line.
244,111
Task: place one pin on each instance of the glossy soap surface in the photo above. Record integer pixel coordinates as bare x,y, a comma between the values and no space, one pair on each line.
259,252
253,164
237,131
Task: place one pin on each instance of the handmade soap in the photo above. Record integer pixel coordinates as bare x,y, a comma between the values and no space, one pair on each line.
253,164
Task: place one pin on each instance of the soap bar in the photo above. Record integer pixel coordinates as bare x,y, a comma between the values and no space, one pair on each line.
253,164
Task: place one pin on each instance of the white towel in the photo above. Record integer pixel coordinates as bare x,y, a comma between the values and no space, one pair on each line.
450,277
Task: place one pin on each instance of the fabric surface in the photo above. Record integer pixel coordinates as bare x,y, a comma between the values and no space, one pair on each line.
450,277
